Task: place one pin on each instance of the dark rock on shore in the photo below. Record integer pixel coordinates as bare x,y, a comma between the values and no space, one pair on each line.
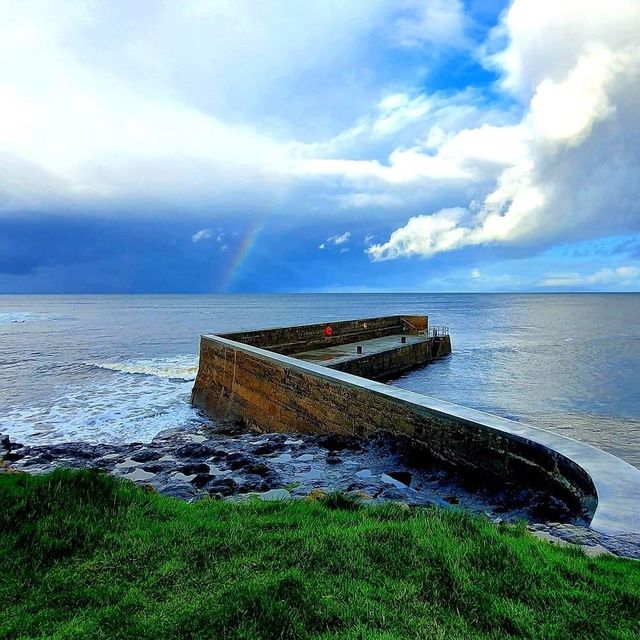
231,429
401,476
267,448
223,462
336,442
548,508
78,450
12,456
201,479
239,460
194,468
259,469
161,466
222,487
254,484
146,455
392,493
195,450
43,459
182,491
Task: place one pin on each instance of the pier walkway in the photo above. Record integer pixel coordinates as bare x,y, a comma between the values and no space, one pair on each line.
332,356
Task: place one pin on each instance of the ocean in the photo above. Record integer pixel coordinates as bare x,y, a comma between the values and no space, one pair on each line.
119,368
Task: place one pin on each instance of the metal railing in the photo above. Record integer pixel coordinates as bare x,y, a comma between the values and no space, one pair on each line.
438,332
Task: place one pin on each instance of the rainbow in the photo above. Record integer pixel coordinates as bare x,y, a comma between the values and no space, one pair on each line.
240,254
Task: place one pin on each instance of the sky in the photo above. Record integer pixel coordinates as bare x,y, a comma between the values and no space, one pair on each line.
220,146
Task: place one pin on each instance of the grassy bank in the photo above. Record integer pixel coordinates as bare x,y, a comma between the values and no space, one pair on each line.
83,555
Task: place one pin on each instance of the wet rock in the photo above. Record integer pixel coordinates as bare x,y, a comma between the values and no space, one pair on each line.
514,498
161,467
12,456
105,465
364,487
77,450
335,442
218,454
37,461
194,469
201,479
231,429
195,450
259,469
254,483
400,476
182,491
169,434
265,449
222,487
392,493
202,454
5,442
146,455
238,460
548,508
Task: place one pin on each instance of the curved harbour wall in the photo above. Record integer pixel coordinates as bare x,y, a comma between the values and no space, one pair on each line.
274,392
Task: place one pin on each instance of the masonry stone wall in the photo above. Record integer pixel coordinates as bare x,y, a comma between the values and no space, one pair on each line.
288,340
388,364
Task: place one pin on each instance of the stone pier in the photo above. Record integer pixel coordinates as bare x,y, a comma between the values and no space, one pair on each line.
324,378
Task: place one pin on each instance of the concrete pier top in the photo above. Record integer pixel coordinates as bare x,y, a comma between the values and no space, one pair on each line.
306,390
330,356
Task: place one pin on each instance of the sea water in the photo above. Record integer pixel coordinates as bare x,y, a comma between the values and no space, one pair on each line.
120,368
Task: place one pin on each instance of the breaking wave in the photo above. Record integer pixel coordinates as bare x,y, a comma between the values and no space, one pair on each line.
112,408
14,317
175,367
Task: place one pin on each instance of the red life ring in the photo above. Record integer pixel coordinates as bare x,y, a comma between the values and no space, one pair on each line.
328,330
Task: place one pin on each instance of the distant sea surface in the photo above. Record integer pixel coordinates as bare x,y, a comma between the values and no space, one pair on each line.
120,368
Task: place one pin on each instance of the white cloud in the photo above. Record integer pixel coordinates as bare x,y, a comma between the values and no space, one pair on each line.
339,238
203,234
108,102
368,200
569,168
475,274
130,102
422,235
439,22
398,110
621,276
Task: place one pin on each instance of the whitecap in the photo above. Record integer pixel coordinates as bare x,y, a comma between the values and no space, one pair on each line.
15,317
123,408
174,367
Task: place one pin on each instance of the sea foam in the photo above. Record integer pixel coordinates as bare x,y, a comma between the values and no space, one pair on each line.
173,367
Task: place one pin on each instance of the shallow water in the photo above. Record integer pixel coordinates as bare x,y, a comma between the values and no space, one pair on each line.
120,368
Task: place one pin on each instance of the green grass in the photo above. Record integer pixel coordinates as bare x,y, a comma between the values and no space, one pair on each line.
83,555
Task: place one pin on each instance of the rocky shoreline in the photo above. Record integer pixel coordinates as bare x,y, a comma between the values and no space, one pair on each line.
224,461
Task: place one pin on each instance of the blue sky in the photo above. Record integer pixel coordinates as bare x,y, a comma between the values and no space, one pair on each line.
374,145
